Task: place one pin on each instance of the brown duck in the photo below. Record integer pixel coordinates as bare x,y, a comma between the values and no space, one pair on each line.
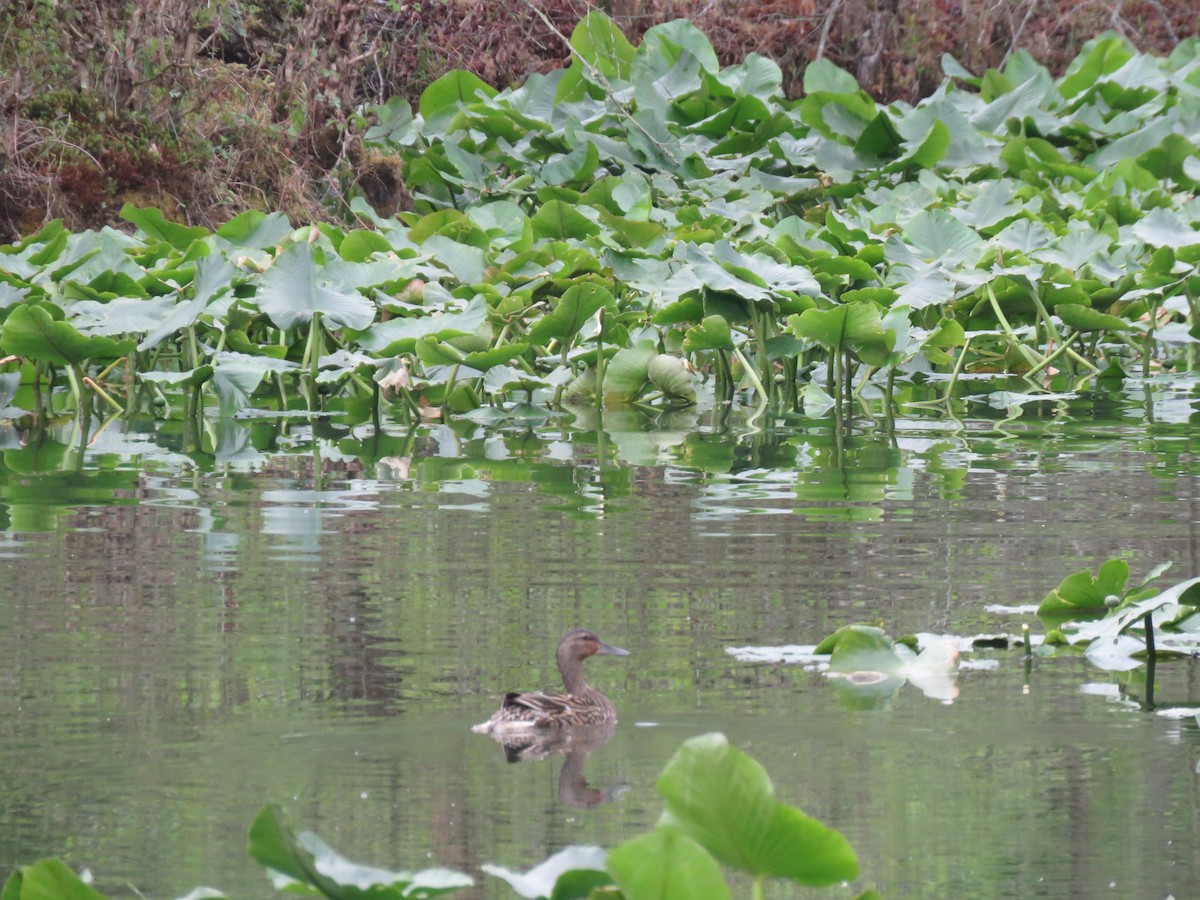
579,704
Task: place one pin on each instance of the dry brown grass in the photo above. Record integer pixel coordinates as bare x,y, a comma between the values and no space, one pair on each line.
208,109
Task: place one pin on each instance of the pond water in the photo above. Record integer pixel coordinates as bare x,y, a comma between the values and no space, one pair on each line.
316,620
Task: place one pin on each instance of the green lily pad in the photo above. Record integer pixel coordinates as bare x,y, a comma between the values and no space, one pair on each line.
47,879
627,374
151,222
432,352
861,648
670,375
854,326
1082,595
560,221
290,293
455,87
1084,318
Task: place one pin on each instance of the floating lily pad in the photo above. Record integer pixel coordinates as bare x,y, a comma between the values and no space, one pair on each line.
1082,595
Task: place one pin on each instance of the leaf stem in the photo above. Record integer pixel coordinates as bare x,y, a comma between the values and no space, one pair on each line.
103,394
761,406
1030,356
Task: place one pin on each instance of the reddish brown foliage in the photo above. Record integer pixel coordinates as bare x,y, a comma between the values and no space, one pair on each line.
253,104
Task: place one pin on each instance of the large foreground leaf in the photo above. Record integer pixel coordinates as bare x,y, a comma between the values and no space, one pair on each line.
49,879
723,799
666,865
304,861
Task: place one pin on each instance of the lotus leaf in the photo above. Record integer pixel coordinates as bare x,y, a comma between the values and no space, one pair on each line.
38,332
49,879
1083,595
666,865
724,801
307,863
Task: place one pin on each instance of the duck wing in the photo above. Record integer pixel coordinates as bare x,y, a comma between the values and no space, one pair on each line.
536,705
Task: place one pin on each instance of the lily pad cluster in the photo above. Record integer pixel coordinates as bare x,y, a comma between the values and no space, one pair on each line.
867,667
647,226
1123,627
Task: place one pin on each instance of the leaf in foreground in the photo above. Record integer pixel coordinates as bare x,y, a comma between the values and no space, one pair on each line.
666,865
724,800
47,879
305,860
542,879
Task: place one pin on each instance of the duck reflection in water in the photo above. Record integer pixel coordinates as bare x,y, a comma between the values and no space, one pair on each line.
575,743
574,722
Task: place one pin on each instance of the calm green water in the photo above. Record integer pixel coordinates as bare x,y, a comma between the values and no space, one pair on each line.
186,636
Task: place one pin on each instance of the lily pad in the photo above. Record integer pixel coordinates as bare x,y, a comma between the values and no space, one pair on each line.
291,292
1081,595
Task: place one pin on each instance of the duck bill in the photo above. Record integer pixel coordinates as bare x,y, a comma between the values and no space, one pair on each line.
610,650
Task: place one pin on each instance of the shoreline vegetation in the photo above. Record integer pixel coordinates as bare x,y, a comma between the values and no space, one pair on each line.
205,111
646,227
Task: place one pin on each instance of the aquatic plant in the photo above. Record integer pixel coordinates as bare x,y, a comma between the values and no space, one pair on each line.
1122,629
720,809
648,227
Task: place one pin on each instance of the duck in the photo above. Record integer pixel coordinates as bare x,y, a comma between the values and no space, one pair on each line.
579,704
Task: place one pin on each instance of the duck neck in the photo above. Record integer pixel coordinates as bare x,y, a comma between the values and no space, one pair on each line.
571,669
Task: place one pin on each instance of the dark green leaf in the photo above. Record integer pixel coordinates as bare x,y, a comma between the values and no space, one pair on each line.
150,222
560,221
33,332
1081,594
454,88
567,315
711,334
